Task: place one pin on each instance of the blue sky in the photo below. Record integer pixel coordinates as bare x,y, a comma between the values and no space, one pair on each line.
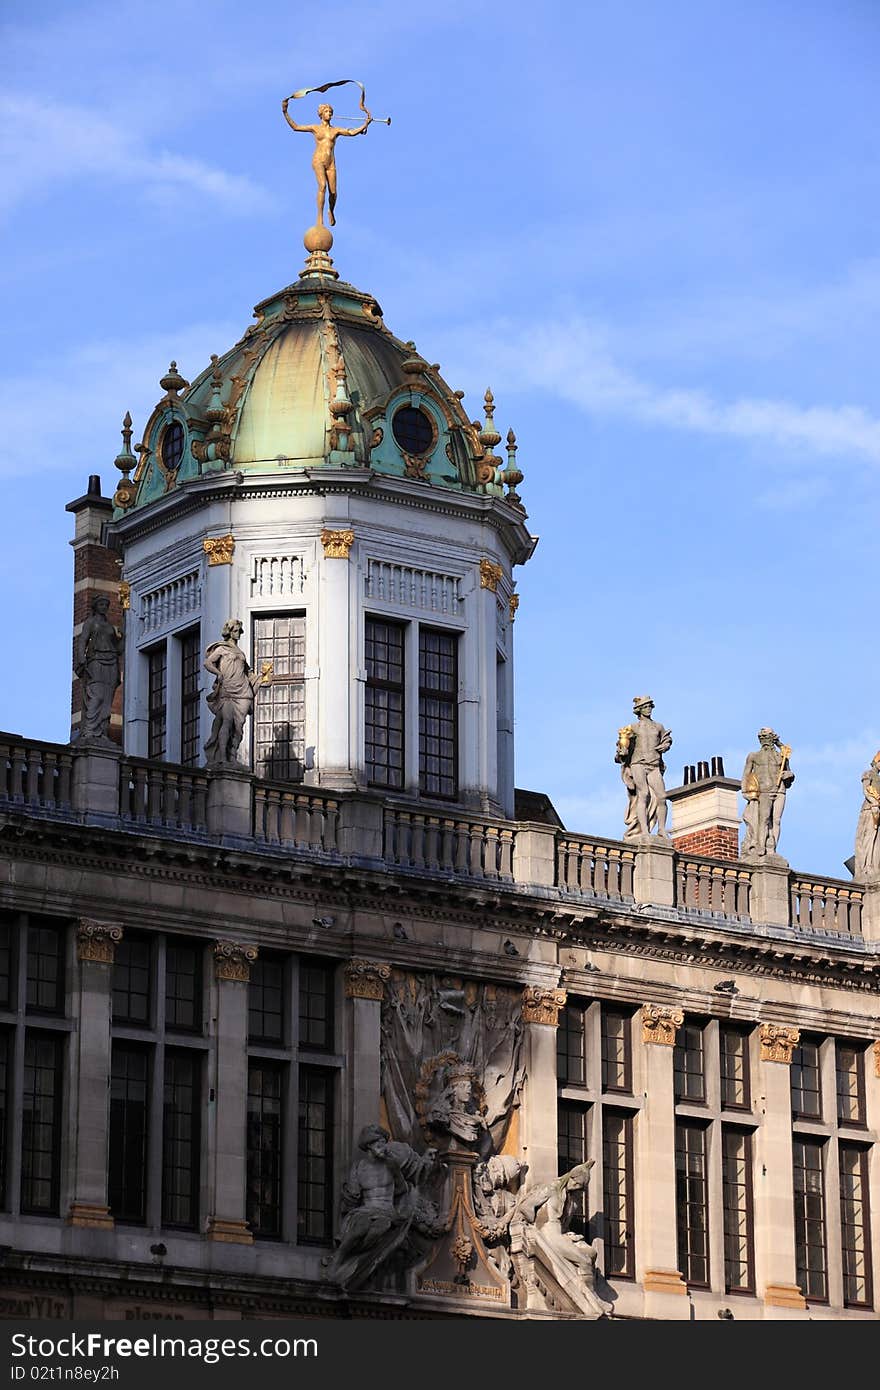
652,229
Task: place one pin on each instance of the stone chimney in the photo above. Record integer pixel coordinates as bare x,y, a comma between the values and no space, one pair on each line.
705,811
95,571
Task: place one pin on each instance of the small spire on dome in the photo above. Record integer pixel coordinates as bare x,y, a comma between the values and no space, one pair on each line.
215,410
125,462
489,435
512,475
172,381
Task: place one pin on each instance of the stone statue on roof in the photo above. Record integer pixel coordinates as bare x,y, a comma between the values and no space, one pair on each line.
96,662
867,856
640,749
326,135
765,780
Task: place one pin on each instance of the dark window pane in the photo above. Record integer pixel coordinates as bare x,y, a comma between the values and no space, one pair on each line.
571,1129
157,702
806,1092
571,1046
279,713
5,1060
266,1000
736,1178
316,982
688,1063
692,1201
734,1043
129,1109
172,445
45,970
180,1140
265,1158
809,1218
41,1124
314,1221
617,1195
6,939
616,1049
413,430
190,671
131,980
850,1059
183,986
384,704
438,713
855,1226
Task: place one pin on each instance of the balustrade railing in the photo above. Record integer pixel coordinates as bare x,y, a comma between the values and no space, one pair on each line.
162,794
712,885
36,775
826,905
297,819
467,847
598,867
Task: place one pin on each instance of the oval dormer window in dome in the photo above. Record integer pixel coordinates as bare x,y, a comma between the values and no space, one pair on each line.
171,449
414,430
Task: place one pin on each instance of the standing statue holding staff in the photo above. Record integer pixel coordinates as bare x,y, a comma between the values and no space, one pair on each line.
765,780
867,856
232,698
326,134
640,749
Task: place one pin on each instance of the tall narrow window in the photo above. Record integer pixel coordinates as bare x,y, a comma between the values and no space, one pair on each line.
438,713
735,1089
384,704
736,1180
45,970
129,1108
157,701
571,1046
692,1201
6,959
264,1147
190,668
617,1195
315,1151
571,1131
41,1124
280,712
850,1061
5,1038
809,1219
806,1093
316,982
183,986
690,1084
855,1227
616,1049
180,1140
266,1000
131,980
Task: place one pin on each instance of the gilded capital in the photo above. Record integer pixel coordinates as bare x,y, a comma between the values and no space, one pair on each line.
542,1005
660,1024
490,574
219,549
337,544
366,979
125,595
97,941
513,605
232,961
778,1041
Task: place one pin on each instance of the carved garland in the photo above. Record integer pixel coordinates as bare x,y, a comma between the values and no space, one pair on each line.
97,941
660,1024
366,979
219,549
542,1005
337,544
232,961
778,1041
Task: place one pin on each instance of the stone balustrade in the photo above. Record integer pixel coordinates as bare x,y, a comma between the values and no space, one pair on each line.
36,775
712,885
599,868
163,794
828,905
303,820
471,847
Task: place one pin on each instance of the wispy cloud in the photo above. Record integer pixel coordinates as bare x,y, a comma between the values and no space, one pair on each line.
44,143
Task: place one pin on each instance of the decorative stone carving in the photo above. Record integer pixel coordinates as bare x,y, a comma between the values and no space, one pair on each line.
366,979
765,780
219,549
563,1253
125,595
97,941
450,1100
513,605
877,1059
542,1005
232,698
660,1024
233,961
640,749
337,544
96,663
778,1041
490,575
866,867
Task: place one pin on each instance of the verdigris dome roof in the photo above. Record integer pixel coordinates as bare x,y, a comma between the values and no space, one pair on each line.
317,381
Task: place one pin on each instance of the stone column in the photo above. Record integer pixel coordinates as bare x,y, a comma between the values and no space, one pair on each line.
228,1174
365,982
540,1014
95,952
769,902
656,1227
654,874
334,656
774,1180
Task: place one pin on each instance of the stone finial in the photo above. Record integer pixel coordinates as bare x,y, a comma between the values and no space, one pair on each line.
490,575
366,979
337,544
232,961
489,435
542,1005
97,941
778,1041
512,475
219,549
660,1024
125,461
172,381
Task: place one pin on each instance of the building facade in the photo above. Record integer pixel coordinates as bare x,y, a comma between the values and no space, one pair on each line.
315,1029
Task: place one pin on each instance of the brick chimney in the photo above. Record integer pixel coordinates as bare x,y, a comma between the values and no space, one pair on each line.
705,811
95,571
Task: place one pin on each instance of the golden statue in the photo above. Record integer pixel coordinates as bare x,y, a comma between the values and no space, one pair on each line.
326,135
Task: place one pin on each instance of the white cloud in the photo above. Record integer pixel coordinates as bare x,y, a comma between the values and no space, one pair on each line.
44,143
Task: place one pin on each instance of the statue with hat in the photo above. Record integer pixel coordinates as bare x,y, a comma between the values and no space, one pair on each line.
765,780
640,749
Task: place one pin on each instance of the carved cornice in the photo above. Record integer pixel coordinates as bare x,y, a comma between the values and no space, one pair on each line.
366,979
660,1024
337,544
232,961
490,575
97,941
542,1005
778,1041
219,549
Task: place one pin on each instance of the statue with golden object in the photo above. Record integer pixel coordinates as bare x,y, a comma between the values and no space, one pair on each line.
867,856
765,780
326,135
233,695
640,749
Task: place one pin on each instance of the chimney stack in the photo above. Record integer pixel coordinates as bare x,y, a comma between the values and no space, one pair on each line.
705,811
